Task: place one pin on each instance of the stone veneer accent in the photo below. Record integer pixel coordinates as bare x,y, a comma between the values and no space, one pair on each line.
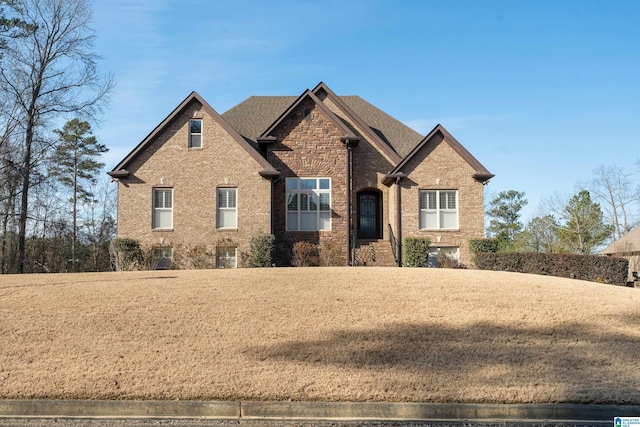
309,147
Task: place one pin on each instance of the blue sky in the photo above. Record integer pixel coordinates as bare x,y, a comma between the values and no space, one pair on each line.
541,92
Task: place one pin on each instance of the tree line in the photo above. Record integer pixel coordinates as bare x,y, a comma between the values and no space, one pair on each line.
602,210
55,214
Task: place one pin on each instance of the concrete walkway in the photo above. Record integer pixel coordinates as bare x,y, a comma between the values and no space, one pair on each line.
301,411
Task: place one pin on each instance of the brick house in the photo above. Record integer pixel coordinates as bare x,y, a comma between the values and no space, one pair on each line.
332,170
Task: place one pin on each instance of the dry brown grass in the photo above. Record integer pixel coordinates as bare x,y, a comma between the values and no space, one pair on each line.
365,334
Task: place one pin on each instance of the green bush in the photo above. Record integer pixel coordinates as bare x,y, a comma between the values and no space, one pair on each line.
126,254
416,252
482,245
593,268
261,250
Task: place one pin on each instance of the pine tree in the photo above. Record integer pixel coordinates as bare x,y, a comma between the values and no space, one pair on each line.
583,228
505,217
74,164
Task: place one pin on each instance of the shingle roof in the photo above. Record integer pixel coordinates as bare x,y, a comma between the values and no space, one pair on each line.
255,114
398,135
627,244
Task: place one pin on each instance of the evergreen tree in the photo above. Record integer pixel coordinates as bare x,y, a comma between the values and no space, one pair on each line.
75,164
505,217
583,228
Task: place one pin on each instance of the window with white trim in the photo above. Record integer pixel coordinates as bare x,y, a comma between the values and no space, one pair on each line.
226,257
195,133
162,258
227,213
308,204
438,209
162,208
438,254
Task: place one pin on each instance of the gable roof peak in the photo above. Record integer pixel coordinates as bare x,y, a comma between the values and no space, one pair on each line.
308,94
481,173
120,170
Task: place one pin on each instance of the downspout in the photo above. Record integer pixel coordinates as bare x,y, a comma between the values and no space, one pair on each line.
349,142
348,195
399,219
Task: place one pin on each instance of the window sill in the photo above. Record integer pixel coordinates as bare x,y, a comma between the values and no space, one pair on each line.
195,148
161,229
439,230
227,229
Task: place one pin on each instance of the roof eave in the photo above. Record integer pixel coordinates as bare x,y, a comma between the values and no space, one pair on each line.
120,173
390,178
483,177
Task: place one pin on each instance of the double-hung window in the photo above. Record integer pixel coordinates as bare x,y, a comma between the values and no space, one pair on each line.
195,133
438,210
227,214
162,208
308,204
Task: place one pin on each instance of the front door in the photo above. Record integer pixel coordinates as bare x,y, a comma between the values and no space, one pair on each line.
369,215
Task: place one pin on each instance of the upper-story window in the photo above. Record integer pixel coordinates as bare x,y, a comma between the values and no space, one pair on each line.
308,204
195,133
438,210
162,208
227,214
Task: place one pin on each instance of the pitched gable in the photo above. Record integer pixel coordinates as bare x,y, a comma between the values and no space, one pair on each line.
120,171
481,173
308,95
323,92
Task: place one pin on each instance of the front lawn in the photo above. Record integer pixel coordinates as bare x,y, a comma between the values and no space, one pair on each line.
329,334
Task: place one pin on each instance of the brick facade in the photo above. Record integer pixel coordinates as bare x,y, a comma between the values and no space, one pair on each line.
438,167
194,174
305,141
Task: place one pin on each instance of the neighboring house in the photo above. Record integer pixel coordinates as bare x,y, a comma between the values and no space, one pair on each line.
627,246
331,170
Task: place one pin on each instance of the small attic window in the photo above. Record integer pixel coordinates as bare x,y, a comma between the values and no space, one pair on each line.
308,114
195,133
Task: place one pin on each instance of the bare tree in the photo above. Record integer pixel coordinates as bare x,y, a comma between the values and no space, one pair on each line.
98,223
50,72
619,195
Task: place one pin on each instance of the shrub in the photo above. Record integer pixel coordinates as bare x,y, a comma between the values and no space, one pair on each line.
126,254
445,261
261,250
482,245
305,254
416,252
330,254
200,257
584,267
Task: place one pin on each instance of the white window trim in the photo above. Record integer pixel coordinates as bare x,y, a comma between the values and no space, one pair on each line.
315,192
438,210
159,257
434,251
200,134
220,264
226,208
155,209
